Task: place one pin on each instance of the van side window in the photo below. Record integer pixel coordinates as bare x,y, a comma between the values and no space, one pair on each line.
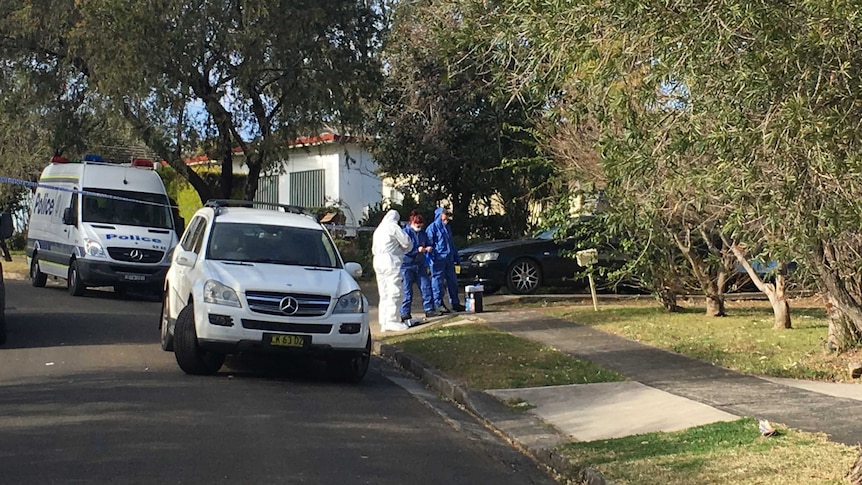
188,238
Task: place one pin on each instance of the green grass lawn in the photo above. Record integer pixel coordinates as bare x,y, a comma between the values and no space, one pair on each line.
485,358
17,265
744,340
719,453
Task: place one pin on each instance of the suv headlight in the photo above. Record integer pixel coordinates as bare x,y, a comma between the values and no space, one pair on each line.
350,303
484,257
93,248
215,292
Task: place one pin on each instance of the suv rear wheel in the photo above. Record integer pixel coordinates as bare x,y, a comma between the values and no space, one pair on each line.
167,338
191,358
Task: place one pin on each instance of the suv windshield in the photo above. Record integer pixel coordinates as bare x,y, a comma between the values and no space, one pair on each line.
262,243
125,212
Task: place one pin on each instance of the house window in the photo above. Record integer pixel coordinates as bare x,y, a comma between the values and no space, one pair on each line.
267,189
306,188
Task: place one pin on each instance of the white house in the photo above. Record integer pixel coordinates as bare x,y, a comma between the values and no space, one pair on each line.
326,170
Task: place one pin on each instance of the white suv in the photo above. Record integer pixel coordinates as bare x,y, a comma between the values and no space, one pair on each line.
248,279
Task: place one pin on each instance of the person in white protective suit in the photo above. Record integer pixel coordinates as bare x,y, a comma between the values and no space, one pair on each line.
388,246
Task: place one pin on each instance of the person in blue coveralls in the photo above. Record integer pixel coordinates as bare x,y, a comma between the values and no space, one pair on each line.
414,269
444,257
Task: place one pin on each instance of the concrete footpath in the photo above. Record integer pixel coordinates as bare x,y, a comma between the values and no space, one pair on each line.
666,392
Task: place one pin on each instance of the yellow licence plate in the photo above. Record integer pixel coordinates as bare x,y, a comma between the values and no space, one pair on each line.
457,269
287,340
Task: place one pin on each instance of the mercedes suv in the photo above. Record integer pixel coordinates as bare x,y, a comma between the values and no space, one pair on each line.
251,279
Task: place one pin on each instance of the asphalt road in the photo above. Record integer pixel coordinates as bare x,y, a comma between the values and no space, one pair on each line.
88,396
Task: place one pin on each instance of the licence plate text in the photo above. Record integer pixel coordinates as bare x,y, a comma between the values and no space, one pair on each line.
135,277
287,340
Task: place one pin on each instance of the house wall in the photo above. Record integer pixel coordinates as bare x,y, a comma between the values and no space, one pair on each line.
360,186
310,158
350,176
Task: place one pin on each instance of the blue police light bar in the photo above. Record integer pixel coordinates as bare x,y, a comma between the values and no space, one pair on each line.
93,158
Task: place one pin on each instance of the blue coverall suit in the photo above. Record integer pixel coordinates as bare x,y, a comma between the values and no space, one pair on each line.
414,269
443,260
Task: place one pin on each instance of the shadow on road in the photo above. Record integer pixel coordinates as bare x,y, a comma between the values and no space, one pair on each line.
39,330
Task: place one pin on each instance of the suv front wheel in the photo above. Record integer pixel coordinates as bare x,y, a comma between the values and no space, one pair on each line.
352,367
191,358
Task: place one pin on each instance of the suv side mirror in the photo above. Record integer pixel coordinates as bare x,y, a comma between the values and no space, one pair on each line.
355,269
69,218
186,258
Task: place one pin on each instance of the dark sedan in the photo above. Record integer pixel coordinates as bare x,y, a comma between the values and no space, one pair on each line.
523,265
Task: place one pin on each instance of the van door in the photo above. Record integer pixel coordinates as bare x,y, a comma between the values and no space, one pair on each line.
71,217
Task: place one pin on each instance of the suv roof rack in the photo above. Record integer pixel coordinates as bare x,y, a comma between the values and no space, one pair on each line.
292,209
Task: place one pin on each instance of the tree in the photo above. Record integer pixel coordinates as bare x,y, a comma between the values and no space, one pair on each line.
768,135
446,129
246,75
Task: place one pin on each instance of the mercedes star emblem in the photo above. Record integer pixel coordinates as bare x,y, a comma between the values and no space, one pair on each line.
288,305
136,255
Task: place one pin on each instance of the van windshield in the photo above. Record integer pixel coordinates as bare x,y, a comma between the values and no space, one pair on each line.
153,210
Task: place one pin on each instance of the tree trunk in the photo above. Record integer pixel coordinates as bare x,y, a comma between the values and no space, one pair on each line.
715,305
846,324
252,179
781,310
854,477
775,292
667,297
226,179
842,333
780,306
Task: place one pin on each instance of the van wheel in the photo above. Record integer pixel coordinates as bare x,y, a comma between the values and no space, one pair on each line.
76,286
37,277
352,368
191,358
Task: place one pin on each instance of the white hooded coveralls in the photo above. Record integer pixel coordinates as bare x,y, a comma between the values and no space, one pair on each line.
388,246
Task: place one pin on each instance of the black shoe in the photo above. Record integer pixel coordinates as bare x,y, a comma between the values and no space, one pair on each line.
406,318
443,310
459,308
432,313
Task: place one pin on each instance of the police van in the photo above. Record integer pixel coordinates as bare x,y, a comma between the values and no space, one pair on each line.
95,223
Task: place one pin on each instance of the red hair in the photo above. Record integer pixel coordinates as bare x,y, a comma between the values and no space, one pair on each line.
416,217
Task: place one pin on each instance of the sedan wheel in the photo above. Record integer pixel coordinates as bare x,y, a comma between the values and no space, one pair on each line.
524,277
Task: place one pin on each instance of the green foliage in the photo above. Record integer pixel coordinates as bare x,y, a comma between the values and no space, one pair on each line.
358,250
263,72
446,130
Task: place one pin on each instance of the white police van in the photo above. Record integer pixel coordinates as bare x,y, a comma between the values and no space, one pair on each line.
95,223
